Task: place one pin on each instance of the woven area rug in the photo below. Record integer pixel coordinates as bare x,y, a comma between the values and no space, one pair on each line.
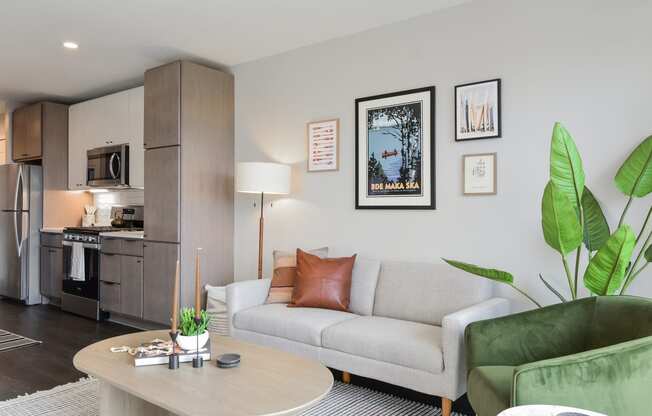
10,341
80,399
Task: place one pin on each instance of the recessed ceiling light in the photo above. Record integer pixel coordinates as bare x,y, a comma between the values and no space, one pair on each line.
70,45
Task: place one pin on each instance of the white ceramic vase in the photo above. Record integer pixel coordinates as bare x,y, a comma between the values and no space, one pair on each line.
190,343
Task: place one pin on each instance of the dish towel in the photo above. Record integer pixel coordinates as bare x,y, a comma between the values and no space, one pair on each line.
77,268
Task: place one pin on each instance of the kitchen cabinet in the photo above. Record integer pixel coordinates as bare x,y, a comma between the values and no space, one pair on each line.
51,268
110,120
131,286
162,106
38,129
26,133
136,98
160,262
162,195
189,148
110,297
121,272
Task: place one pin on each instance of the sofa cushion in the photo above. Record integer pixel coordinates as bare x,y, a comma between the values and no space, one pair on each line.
490,388
363,286
423,292
297,324
405,343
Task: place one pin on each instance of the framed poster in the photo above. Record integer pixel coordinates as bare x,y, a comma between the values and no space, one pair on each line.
477,110
479,173
395,150
323,145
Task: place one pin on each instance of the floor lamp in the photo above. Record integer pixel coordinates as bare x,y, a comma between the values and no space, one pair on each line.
262,178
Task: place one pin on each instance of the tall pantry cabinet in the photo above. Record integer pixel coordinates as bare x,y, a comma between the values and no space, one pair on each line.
189,150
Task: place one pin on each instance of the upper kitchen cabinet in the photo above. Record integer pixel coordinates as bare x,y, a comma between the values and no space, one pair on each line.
163,106
136,131
106,121
32,125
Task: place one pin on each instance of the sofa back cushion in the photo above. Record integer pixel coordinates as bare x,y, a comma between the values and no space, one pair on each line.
425,292
363,286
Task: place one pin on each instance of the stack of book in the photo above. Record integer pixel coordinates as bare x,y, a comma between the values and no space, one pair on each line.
158,352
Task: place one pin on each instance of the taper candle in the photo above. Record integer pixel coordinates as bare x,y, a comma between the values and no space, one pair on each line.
197,286
175,299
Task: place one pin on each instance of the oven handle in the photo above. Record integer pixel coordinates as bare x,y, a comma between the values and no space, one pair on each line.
85,245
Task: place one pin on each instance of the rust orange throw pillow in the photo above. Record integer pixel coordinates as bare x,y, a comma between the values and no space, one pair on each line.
322,283
285,271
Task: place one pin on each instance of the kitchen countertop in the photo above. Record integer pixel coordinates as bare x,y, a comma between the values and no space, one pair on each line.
134,235
52,230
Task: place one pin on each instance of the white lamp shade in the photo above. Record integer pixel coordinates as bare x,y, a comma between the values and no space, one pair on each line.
257,177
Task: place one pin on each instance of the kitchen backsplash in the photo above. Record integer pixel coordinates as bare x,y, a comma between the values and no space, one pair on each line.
105,200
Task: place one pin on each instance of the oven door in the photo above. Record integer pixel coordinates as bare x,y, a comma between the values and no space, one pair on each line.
89,287
108,166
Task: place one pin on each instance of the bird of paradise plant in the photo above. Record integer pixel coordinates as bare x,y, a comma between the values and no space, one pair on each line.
571,215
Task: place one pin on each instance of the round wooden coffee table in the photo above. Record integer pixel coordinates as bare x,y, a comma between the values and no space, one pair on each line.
267,382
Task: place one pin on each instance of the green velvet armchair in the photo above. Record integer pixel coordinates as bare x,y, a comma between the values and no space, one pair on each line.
593,353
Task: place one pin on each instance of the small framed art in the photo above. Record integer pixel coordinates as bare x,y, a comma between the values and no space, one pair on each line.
479,173
477,110
395,150
323,145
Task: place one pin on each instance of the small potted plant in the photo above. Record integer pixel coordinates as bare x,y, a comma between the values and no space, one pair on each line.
189,329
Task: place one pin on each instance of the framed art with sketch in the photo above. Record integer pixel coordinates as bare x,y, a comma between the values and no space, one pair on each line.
477,111
395,150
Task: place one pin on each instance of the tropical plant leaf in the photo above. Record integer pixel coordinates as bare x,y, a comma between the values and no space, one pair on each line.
493,274
648,254
596,228
561,227
634,178
606,270
566,169
552,289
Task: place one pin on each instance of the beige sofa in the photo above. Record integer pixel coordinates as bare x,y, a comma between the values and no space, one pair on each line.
405,324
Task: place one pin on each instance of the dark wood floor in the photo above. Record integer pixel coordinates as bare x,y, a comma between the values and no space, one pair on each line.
44,366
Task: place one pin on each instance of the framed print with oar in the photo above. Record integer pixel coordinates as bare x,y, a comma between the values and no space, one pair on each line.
395,150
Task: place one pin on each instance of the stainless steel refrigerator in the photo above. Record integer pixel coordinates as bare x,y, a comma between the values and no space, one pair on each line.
21,216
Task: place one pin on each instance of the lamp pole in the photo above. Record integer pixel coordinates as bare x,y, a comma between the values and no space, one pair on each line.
261,223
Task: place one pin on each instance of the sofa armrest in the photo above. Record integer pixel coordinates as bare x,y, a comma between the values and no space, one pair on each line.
453,326
614,380
244,295
526,337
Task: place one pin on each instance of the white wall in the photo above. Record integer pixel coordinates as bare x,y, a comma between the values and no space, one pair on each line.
585,63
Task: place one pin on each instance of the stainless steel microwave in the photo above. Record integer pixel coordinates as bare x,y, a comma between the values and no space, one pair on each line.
108,167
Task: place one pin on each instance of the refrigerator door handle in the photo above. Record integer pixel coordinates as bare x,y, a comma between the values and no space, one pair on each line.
19,178
19,242
19,211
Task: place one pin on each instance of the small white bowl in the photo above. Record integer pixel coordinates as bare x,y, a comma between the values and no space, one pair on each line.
190,343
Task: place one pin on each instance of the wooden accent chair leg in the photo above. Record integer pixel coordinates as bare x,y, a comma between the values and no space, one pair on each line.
446,406
346,377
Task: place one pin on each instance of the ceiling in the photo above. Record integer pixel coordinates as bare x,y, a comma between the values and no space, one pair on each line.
120,39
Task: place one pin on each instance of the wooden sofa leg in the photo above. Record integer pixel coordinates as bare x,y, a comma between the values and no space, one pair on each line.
446,406
346,377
